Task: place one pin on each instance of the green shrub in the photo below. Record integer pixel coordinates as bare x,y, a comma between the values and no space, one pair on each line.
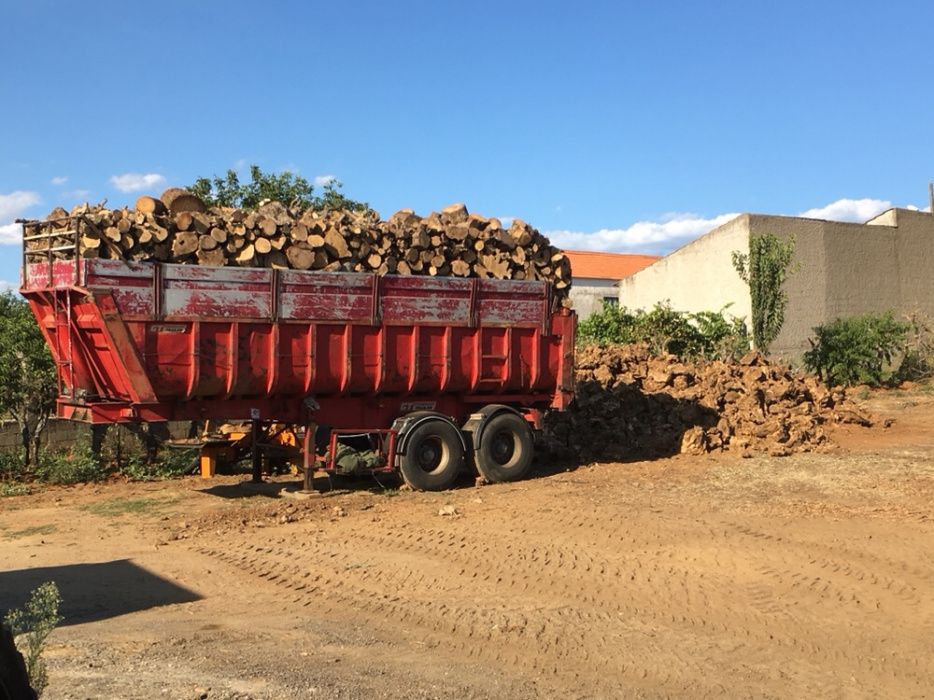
169,463
918,359
857,350
13,465
79,464
708,334
32,626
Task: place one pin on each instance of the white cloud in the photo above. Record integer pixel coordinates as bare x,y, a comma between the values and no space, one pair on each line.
13,206
7,286
663,235
59,181
324,180
11,234
76,195
645,236
853,210
134,182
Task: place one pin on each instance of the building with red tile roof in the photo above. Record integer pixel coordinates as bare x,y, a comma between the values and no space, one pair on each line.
597,275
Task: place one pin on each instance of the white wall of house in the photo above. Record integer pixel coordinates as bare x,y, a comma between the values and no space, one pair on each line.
838,270
698,276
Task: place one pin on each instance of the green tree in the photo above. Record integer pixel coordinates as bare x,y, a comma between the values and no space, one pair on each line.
27,373
765,269
285,187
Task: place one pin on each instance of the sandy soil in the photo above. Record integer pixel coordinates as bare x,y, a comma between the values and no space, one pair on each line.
806,576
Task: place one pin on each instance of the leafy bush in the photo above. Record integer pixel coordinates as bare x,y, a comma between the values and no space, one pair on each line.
168,464
708,334
32,626
918,359
857,350
77,465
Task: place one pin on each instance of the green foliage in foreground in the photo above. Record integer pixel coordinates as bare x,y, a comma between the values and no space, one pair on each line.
122,455
285,187
32,626
858,350
707,334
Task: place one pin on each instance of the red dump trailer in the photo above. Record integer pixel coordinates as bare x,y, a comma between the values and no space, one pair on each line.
441,373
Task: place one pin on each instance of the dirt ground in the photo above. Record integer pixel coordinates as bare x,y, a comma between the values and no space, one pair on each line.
804,576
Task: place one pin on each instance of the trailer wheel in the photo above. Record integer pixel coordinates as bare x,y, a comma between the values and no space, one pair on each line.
505,451
433,457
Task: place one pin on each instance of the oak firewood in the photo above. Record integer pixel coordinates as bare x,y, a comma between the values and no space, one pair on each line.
245,256
278,260
177,200
183,221
150,205
184,244
212,256
300,258
262,245
200,222
268,226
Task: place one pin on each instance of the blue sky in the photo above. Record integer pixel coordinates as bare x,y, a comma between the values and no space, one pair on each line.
610,125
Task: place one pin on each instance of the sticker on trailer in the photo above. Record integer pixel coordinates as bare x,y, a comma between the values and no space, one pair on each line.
410,406
168,328
254,414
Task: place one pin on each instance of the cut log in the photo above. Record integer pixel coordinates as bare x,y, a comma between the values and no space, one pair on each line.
245,256
300,258
183,221
336,244
177,200
262,245
214,257
268,226
184,244
150,205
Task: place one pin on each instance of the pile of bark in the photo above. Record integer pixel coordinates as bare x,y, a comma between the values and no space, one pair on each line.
178,228
632,405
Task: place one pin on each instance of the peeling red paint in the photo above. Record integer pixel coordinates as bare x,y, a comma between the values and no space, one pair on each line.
164,338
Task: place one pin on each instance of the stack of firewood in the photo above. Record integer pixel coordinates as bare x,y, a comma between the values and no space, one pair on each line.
179,228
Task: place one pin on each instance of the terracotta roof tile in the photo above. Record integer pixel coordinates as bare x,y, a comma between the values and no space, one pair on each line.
613,266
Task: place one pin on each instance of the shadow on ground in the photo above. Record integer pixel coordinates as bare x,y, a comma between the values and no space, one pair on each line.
92,592
619,424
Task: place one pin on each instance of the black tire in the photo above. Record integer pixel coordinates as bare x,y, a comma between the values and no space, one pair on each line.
506,448
433,457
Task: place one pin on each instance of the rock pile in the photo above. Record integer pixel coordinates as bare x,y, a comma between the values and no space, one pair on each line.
633,405
178,228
